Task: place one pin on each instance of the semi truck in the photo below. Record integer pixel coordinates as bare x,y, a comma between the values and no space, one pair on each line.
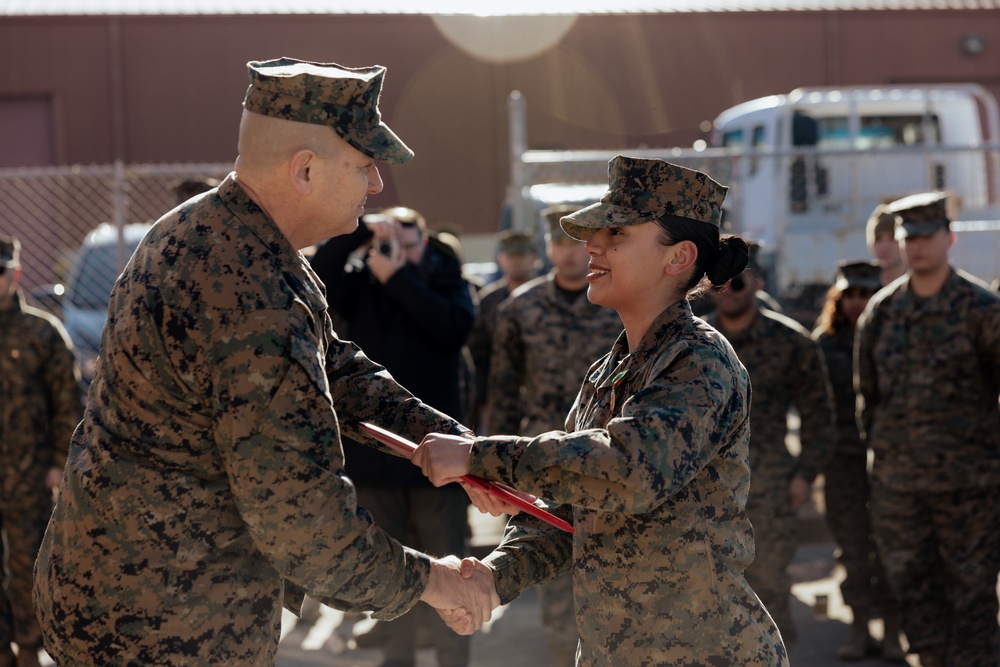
807,168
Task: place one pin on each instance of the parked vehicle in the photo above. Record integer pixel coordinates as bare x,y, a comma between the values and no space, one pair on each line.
100,261
806,169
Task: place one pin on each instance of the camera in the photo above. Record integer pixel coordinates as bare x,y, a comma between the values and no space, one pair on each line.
389,247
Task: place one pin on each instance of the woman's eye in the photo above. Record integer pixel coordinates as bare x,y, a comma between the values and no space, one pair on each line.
615,231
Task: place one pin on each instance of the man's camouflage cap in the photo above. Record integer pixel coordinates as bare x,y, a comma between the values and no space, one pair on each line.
512,241
920,215
861,274
343,98
10,250
881,221
553,217
643,190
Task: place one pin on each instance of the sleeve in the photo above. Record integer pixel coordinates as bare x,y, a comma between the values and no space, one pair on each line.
865,380
531,552
278,435
667,433
987,340
65,403
814,401
480,348
507,373
439,304
362,390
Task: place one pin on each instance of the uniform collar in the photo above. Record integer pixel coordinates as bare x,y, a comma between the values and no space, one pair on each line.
623,364
942,302
294,267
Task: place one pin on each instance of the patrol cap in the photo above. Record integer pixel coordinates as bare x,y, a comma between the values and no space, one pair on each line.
643,190
10,251
553,217
343,98
861,274
512,241
881,221
921,214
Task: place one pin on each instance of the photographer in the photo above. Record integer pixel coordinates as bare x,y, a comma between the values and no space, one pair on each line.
399,294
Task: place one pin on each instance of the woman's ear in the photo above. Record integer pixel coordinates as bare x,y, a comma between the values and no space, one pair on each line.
682,258
300,170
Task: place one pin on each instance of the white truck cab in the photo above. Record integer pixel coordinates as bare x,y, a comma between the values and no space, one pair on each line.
816,162
806,169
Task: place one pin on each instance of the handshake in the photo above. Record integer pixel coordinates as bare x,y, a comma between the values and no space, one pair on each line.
462,592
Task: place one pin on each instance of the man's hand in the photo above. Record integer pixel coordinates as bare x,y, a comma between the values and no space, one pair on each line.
53,478
462,592
444,458
469,567
382,266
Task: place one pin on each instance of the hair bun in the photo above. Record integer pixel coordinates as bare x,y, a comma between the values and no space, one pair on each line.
731,260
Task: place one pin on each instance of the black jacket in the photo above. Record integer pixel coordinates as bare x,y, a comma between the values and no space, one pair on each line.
415,325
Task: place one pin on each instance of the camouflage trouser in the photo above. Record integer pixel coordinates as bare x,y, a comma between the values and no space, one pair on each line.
555,600
941,552
847,491
22,528
775,535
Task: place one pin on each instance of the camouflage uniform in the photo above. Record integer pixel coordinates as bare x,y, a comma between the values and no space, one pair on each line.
846,486
654,473
543,346
481,342
928,373
39,408
787,370
206,475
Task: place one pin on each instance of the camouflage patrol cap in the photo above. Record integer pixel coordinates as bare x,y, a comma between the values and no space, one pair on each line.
643,190
343,98
512,241
553,216
10,251
921,214
881,221
860,274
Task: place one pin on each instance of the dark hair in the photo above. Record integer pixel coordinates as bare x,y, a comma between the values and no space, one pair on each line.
719,258
832,318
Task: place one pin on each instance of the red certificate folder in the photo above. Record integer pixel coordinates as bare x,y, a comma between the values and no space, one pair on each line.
406,448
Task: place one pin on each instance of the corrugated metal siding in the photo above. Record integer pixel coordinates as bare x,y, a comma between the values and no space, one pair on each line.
458,7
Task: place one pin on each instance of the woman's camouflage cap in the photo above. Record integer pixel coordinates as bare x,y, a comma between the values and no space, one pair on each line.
643,190
861,274
344,98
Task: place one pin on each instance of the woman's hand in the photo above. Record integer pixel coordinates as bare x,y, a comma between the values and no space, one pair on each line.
443,458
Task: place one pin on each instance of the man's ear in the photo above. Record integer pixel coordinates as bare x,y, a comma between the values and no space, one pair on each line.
682,258
300,170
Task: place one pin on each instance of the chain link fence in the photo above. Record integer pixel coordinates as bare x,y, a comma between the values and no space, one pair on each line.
51,210
79,225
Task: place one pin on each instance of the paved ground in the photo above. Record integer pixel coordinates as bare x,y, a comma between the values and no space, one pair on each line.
514,637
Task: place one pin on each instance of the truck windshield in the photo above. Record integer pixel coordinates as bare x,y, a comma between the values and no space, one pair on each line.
880,131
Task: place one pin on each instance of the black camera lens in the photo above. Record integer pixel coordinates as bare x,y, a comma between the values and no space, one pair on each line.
385,248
